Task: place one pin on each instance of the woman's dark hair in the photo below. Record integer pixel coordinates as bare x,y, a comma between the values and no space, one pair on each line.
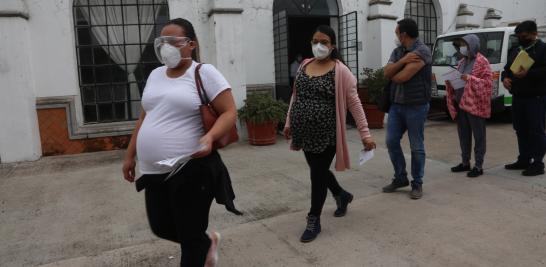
330,32
189,31
408,26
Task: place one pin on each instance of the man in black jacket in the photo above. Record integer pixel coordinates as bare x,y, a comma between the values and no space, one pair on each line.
529,100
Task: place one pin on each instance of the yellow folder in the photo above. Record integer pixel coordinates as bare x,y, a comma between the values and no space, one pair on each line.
522,60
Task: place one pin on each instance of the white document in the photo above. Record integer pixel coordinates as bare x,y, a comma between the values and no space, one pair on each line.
176,164
365,156
454,77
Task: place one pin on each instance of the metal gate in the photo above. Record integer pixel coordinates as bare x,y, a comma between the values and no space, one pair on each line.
280,33
348,41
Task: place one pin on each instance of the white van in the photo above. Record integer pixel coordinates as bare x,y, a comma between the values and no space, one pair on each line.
494,44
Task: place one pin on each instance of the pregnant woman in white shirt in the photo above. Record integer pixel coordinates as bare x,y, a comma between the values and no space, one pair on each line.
170,126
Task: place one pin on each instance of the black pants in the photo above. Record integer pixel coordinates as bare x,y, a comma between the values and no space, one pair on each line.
529,122
322,178
178,210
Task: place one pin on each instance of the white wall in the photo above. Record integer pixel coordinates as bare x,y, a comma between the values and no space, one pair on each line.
19,136
53,47
257,41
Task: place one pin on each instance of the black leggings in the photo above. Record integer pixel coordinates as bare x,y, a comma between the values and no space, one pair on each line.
322,178
178,210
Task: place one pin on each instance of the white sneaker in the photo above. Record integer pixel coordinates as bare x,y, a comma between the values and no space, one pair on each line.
212,256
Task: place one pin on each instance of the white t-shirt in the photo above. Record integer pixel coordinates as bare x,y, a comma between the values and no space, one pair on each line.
172,126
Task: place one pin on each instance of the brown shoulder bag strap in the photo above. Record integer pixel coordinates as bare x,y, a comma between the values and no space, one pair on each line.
199,85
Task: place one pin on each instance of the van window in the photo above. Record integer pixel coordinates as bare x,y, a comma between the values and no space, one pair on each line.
513,41
445,52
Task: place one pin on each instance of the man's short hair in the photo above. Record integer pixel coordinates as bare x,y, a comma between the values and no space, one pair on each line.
528,26
408,26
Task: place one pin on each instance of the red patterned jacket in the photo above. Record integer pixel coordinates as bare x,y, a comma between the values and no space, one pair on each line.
476,98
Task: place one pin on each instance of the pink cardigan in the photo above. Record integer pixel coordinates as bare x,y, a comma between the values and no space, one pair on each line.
346,99
476,98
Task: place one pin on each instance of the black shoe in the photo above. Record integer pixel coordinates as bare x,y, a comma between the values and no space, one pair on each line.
416,191
475,172
518,165
312,230
461,168
342,201
534,169
395,185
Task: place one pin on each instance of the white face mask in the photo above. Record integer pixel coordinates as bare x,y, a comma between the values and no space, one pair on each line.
464,50
170,56
321,51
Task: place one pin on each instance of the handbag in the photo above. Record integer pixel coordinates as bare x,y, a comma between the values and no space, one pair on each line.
209,115
384,103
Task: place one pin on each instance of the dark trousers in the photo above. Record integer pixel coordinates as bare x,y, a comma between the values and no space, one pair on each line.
469,125
178,210
322,178
528,117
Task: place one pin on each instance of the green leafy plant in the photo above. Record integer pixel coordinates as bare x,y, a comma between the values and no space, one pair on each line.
261,107
375,81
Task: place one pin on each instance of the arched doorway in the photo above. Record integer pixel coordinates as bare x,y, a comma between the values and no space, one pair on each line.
424,13
293,24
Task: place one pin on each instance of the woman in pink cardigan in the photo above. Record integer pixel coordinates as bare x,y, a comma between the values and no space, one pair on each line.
470,105
324,90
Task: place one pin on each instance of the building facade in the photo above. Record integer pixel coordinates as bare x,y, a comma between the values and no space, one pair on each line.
72,71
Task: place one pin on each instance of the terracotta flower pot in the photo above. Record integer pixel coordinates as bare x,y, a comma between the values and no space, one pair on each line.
262,134
374,115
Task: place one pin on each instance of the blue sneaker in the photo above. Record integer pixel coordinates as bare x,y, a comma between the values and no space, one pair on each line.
312,230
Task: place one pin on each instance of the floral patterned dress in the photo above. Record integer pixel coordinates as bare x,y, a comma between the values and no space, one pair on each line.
313,114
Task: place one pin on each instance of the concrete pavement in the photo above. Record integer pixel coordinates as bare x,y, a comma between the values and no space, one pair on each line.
77,211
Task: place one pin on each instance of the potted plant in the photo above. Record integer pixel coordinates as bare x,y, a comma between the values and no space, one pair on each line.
262,113
370,94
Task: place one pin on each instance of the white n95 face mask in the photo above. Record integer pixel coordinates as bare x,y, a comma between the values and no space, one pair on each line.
167,50
321,51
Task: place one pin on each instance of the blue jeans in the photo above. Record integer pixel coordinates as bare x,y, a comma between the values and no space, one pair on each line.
410,118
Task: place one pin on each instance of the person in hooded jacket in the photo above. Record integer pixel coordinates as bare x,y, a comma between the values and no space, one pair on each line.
470,105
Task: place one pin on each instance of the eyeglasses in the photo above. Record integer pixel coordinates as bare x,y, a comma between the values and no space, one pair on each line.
323,42
176,41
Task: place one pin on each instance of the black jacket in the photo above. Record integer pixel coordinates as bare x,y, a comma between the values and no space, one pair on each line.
211,165
534,84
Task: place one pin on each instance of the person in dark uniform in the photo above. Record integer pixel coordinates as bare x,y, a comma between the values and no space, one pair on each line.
528,88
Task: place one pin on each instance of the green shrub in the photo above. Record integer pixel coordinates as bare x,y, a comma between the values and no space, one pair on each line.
261,107
375,81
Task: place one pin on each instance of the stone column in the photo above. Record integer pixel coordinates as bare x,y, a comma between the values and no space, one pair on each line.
227,37
464,19
226,32
381,26
19,133
492,18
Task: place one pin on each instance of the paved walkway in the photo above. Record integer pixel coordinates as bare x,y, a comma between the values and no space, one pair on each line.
77,211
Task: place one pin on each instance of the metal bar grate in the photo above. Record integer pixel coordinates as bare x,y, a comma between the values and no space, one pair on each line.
348,41
104,85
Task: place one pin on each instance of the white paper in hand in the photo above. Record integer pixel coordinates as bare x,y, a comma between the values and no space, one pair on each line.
177,163
365,156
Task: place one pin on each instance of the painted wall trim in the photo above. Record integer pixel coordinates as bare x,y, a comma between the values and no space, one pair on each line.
380,2
214,11
9,14
87,130
13,9
381,16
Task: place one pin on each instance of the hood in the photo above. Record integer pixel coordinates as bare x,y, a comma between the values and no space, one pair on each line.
473,42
